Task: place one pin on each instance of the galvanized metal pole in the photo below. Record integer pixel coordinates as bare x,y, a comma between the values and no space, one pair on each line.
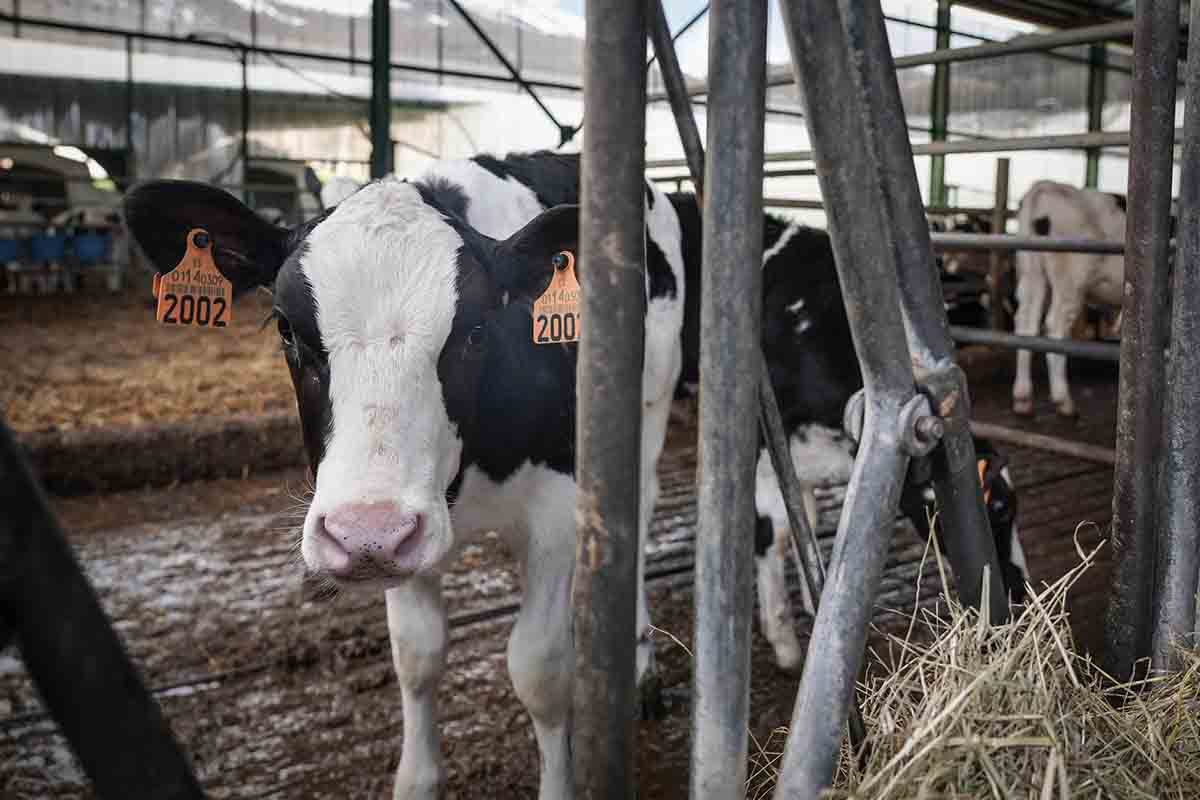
969,544
1179,526
998,261
609,378
381,88
1143,336
853,182
730,366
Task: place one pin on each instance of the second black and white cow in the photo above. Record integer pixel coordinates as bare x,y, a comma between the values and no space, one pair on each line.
810,355
429,414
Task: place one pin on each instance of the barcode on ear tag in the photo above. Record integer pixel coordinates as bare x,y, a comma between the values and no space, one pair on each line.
556,315
195,293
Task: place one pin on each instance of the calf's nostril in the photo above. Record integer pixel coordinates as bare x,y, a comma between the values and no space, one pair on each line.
331,555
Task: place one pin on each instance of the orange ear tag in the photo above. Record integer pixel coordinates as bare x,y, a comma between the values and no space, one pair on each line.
195,292
556,317
987,493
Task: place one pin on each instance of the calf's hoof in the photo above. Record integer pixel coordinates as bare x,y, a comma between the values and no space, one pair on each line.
1066,409
418,784
1023,406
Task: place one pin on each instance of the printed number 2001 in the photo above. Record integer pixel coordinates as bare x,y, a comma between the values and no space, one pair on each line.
557,327
187,309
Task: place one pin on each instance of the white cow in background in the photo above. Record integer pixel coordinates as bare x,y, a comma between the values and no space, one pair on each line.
1072,279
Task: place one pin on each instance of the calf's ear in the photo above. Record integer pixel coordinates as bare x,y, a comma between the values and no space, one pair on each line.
246,248
525,260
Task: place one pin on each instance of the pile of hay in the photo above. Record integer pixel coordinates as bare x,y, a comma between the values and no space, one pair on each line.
956,708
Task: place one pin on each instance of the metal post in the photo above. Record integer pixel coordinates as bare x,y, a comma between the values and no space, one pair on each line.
689,136
76,660
854,182
998,260
245,144
609,379
970,546
1179,527
1143,336
381,88
730,364
939,107
131,169
1097,85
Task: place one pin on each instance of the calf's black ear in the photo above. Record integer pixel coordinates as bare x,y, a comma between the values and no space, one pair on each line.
525,260
246,248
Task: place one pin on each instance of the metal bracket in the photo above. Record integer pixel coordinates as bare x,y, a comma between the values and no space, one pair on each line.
921,430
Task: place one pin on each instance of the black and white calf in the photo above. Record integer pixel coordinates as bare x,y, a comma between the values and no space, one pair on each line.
810,356
429,415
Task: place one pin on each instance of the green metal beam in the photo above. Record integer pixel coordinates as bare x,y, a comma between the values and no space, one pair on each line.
1097,83
940,107
381,88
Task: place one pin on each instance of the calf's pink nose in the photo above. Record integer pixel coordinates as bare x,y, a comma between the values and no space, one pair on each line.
363,533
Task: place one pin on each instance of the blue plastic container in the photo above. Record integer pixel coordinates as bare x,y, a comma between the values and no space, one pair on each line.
91,248
48,247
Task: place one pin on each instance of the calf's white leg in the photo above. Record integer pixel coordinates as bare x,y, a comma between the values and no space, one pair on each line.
1031,300
1066,304
417,627
541,650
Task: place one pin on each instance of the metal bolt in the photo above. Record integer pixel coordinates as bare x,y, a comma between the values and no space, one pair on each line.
929,429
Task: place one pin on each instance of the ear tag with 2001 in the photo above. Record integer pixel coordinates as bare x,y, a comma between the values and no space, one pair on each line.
556,316
195,293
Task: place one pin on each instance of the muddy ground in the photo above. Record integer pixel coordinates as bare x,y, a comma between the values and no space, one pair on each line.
276,692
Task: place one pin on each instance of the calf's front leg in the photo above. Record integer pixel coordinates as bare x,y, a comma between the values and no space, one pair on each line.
541,650
417,627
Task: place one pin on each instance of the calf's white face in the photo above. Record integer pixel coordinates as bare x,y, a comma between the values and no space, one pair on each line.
382,271
408,338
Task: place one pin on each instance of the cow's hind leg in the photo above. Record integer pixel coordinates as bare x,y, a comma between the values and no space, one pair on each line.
417,627
541,650
1031,303
1066,304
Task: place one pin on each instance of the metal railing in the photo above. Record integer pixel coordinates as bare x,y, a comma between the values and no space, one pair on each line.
884,250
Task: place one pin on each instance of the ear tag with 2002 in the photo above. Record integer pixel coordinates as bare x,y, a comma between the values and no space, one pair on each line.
195,293
556,316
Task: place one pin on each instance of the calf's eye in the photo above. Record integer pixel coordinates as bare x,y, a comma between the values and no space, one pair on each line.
476,339
285,331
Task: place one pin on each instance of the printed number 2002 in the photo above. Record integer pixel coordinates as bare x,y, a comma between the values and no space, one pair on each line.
200,310
556,327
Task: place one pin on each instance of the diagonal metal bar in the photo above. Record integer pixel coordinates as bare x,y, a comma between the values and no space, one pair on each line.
969,545
1143,336
565,132
76,660
856,185
684,28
